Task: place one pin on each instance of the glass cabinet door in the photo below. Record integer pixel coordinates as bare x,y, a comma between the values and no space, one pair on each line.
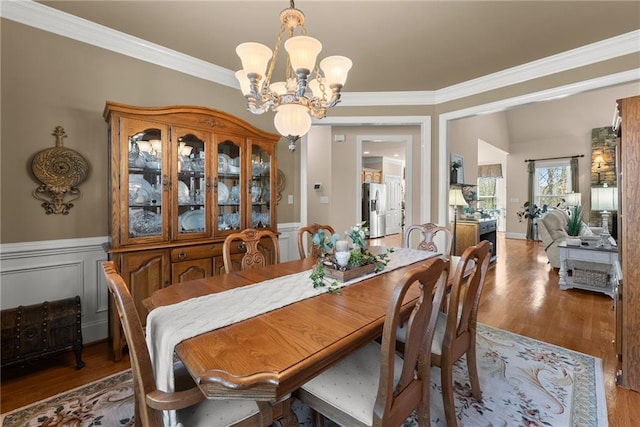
143,187
261,180
192,184
231,189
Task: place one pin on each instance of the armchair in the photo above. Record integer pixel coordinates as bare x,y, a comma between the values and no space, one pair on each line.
552,229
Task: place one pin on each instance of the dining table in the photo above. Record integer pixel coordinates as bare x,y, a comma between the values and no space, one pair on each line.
268,355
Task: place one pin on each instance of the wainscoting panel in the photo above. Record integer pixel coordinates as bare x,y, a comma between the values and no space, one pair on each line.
288,240
34,272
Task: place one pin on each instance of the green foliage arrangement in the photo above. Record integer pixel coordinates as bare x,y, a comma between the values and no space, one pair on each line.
359,256
575,221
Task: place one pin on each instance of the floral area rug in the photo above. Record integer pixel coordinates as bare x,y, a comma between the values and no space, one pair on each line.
524,383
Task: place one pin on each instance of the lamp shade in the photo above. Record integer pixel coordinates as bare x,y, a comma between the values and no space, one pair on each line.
456,198
335,69
254,57
245,86
292,119
314,85
604,198
303,51
573,199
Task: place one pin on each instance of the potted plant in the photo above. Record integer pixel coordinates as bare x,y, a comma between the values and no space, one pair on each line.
573,225
455,165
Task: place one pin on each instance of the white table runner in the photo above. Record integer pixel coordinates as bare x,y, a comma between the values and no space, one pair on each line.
167,326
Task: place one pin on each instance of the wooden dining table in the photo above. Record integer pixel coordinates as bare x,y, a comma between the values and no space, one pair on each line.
269,356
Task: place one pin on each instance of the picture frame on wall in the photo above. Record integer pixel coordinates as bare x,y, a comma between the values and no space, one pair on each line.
457,169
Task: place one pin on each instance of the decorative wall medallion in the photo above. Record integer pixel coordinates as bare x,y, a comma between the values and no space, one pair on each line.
60,170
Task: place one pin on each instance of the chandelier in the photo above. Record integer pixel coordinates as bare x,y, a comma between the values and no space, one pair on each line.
298,97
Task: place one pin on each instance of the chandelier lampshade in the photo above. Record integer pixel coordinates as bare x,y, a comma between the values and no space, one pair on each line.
255,57
307,89
292,119
335,69
303,51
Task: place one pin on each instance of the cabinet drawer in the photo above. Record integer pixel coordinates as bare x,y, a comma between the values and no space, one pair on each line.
487,226
196,252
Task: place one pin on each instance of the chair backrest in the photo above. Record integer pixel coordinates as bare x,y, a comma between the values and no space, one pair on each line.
141,367
464,297
396,401
428,232
310,230
256,254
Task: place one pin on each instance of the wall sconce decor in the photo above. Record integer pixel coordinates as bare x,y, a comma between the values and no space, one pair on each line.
60,170
281,183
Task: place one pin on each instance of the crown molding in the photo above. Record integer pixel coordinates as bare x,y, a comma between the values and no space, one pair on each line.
48,19
586,55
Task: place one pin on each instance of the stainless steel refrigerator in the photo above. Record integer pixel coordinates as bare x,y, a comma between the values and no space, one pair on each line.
374,208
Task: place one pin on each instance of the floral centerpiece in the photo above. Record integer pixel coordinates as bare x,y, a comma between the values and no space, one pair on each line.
345,259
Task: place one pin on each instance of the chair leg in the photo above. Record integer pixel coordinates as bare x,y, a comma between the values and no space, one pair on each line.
446,380
318,419
472,367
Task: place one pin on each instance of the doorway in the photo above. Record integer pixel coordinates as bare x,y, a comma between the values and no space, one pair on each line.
387,154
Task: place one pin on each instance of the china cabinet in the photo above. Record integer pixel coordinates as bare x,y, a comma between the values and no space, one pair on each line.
182,179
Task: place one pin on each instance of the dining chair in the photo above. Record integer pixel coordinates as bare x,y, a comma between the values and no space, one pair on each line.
193,409
374,386
455,330
256,254
427,233
305,232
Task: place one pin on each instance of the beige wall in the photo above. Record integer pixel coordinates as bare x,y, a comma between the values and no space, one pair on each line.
48,80
553,128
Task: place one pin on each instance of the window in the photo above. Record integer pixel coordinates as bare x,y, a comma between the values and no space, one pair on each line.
552,182
487,193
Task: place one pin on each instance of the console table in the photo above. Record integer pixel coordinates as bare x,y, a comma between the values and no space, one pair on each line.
596,260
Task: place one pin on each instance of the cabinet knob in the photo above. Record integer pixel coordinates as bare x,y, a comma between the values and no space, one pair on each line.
182,256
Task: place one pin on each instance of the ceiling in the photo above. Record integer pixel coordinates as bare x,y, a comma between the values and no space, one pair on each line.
395,45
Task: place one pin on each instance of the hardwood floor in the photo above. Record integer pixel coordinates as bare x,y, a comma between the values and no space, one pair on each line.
521,295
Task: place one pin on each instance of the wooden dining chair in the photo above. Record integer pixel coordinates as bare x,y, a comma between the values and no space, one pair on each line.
455,331
427,232
374,386
255,252
193,409
306,232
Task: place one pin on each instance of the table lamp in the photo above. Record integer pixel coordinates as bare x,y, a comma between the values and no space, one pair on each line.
573,199
456,199
604,199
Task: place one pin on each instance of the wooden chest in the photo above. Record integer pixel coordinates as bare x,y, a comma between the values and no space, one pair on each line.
32,331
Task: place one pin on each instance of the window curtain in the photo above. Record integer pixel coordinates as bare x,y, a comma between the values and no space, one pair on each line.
574,175
490,171
532,177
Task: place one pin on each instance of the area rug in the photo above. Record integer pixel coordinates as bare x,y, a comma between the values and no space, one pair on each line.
524,383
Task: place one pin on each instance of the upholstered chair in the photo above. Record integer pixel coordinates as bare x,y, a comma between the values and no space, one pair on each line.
305,233
255,253
427,233
374,386
193,409
455,331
